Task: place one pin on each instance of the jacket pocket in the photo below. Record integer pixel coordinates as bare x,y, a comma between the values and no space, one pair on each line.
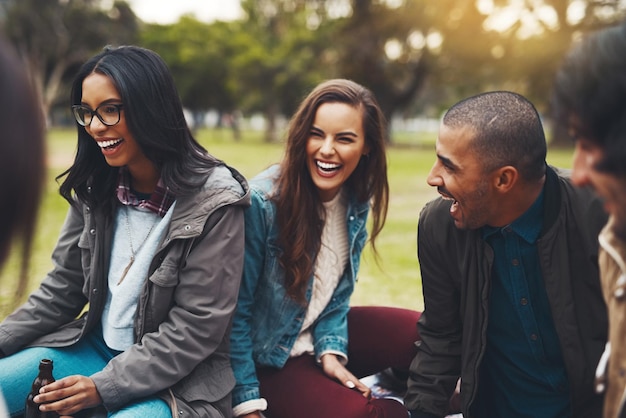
166,275
159,300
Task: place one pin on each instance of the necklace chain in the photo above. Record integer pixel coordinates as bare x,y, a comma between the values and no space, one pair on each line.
130,241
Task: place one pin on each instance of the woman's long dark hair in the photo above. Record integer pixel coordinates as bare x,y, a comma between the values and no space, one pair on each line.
22,163
154,115
300,211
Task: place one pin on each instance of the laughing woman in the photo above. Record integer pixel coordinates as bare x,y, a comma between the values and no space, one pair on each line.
152,246
298,349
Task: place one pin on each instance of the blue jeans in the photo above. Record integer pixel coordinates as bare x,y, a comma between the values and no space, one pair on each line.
87,357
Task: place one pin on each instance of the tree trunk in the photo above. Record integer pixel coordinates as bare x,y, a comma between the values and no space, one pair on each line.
271,134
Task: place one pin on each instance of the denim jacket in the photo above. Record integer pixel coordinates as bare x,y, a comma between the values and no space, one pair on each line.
267,321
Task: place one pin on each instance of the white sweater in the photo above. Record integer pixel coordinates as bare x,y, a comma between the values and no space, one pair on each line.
329,266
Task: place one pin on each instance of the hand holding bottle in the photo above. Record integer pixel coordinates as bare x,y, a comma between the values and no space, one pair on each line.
44,377
68,395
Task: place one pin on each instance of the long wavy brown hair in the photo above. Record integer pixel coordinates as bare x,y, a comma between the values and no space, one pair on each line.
300,212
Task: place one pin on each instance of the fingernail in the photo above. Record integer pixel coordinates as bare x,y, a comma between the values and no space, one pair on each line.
350,384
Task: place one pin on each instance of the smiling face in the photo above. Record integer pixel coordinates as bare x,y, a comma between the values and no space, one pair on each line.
610,188
116,142
335,146
459,177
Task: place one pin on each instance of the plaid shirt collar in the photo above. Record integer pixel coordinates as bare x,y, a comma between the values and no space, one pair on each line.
159,201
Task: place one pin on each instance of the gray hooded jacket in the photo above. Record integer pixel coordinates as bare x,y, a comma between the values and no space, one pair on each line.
184,313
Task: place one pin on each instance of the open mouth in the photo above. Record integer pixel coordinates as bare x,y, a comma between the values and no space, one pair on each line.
445,196
327,167
109,145
455,203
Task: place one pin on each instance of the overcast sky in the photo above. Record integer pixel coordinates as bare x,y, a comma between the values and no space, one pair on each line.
168,11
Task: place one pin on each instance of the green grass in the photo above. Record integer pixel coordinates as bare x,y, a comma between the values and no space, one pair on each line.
394,280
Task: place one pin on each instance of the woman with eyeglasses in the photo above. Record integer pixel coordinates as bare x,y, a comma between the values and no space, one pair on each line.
298,348
136,312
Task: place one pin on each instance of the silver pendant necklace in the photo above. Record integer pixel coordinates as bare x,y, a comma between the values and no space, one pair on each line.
130,241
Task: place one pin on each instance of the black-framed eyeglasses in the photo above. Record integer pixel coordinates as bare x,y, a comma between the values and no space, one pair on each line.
108,113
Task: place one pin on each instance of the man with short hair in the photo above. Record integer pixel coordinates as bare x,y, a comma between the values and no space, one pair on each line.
512,299
590,101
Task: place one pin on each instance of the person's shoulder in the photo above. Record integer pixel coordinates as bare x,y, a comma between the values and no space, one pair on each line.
437,209
224,176
263,184
583,201
585,193
435,221
224,185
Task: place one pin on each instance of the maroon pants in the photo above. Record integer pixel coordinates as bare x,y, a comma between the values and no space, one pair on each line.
378,338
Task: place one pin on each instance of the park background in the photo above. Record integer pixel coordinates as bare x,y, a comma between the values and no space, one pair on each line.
241,79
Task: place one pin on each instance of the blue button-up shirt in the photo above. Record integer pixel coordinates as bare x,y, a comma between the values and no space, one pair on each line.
522,373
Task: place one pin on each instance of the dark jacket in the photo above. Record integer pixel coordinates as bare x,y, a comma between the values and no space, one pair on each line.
184,311
456,268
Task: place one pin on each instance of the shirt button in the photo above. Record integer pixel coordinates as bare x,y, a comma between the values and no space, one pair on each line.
523,301
533,337
352,217
94,291
515,262
187,227
92,231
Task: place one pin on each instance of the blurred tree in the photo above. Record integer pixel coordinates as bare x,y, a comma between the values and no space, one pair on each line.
53,36
384,47
455,48
282,52
199,55
522,43
399,48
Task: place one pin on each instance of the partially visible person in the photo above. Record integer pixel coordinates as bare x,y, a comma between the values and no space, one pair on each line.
298,348
590,102
137,310
508,255
22,162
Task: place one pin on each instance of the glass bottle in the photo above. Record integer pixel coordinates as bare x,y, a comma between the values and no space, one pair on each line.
43,378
